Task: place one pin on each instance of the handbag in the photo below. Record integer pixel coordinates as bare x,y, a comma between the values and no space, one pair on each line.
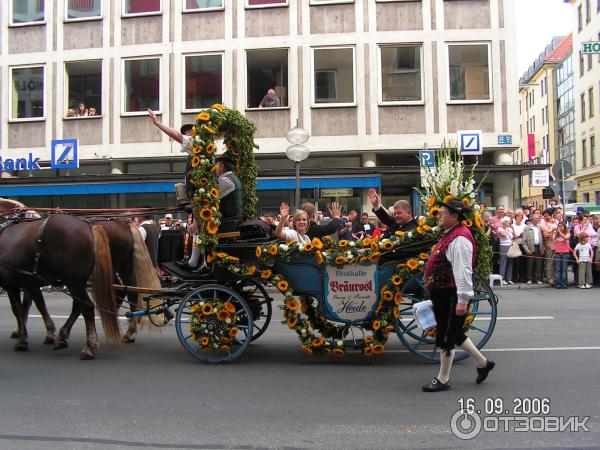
514,251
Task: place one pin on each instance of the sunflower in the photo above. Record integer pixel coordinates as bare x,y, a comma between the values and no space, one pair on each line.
431,332
273,250
396,313
339,260
376,325
433,212
206,214
466,201
398,298
366,242
225,348
210,129
431,202
447,198
316,242
308,247
214,192
469,320
343,243
478,222
363,259
399,233
218,107
195,161
203,181
306,348
315,342
222,315
210,258
319,257
211,149
292,242
266,274
447,189
233,331
388,296
195,149
423,255
195,308
292,322
388,245
204,341
258,252
206,203
207,309
212,227
251,270
229,307
377,349
426,227
326,352
412,263
396,280
194,131
293,304
369,339
203,116
338,352
467,223
282,286
368,351
375,257
420,230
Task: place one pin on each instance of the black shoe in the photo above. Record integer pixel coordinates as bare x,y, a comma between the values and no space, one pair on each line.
201,270
183,262
483,372
435,386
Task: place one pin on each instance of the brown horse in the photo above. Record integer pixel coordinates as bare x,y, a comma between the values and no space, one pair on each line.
60,250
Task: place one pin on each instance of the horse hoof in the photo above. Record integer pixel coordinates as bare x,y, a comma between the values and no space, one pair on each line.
15,335
128,339
61,345
49,340
86,356
21,347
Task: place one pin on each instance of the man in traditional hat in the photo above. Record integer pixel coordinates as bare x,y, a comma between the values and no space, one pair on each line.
449,280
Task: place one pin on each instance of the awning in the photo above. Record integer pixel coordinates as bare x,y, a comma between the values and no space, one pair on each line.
263,184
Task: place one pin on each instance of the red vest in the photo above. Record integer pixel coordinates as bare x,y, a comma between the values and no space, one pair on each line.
438,271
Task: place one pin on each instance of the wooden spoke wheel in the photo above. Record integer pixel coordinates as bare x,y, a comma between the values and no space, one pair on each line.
259,302
483,308
214,293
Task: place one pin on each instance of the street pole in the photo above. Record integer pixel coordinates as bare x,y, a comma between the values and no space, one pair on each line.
297,199
562,186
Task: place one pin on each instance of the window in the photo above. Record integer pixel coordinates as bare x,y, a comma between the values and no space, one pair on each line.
131,7
579,18
142,85
83,86
583,154
265,3
401,75
267,78
591,101
583,107
597,197
27,94
83,9
469,72
593,150
543,116
333,76
544,143
200,5
586,197
588,11
203,81
542,86
581,65
27,11
325,2
589,58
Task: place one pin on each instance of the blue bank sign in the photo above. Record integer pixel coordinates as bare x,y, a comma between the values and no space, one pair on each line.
63,155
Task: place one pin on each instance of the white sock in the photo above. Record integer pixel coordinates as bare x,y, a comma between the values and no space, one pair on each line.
195,256
470,348
445,366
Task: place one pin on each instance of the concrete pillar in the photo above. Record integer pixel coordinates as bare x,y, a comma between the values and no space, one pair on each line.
503,189
503,157
369,160
117,167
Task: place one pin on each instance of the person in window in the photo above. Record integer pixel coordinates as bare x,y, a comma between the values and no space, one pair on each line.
92,111
270,100
71,112
299,225
81,110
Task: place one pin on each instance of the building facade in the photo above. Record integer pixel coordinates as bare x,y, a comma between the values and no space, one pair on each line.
587,101
372,81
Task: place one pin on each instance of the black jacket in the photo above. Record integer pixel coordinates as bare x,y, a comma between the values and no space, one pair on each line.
385,218
316,230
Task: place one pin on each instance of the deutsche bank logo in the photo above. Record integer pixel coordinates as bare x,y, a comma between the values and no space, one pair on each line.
64,154
470,142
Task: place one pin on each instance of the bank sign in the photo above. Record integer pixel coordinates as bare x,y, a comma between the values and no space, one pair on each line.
588,48
63,155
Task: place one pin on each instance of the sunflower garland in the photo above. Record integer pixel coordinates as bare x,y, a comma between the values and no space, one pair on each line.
212,324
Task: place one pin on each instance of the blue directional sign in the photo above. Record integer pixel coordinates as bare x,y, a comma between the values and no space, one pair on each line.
504,139
64,154
427,158
470,142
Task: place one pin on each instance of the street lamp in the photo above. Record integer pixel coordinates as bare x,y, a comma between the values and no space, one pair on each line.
297,152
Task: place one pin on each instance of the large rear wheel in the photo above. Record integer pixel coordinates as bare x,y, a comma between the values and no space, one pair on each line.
259,302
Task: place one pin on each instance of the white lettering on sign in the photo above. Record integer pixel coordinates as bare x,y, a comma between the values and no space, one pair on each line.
351,292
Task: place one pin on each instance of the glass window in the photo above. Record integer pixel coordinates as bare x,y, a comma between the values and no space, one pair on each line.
469,72
266,3
325,2
591,101
401,76
583,154
588,11
83,9
141,6
267,78
333,75
593,150
142,84
84,88
579,18
27,11
27,95
203,80
196,5
586,197
583,107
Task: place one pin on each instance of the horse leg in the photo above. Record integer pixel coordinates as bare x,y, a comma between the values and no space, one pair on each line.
127,278
86,306
25,305
38,298
14,296
65,331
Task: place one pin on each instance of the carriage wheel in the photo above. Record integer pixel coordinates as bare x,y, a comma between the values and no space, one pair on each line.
259,301
214,293
483,309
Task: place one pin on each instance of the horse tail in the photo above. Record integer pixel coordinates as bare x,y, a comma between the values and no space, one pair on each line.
102,285
143,270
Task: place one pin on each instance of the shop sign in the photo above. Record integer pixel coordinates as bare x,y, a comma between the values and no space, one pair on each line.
540,178
337,192
63,155
588,48
351,291
470,142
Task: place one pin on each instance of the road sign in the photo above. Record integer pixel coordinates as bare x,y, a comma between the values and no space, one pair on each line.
64,154
427,158
540,178
568,186
588,48
470,142
567,169
504,139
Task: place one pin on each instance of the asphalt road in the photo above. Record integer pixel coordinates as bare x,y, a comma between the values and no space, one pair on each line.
152,394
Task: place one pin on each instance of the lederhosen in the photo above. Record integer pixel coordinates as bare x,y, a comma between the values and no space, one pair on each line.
441,286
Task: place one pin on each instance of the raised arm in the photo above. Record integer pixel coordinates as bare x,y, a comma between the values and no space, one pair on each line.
171,132
284,211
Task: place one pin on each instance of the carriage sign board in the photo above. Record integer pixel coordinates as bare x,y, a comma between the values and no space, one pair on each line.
351,292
